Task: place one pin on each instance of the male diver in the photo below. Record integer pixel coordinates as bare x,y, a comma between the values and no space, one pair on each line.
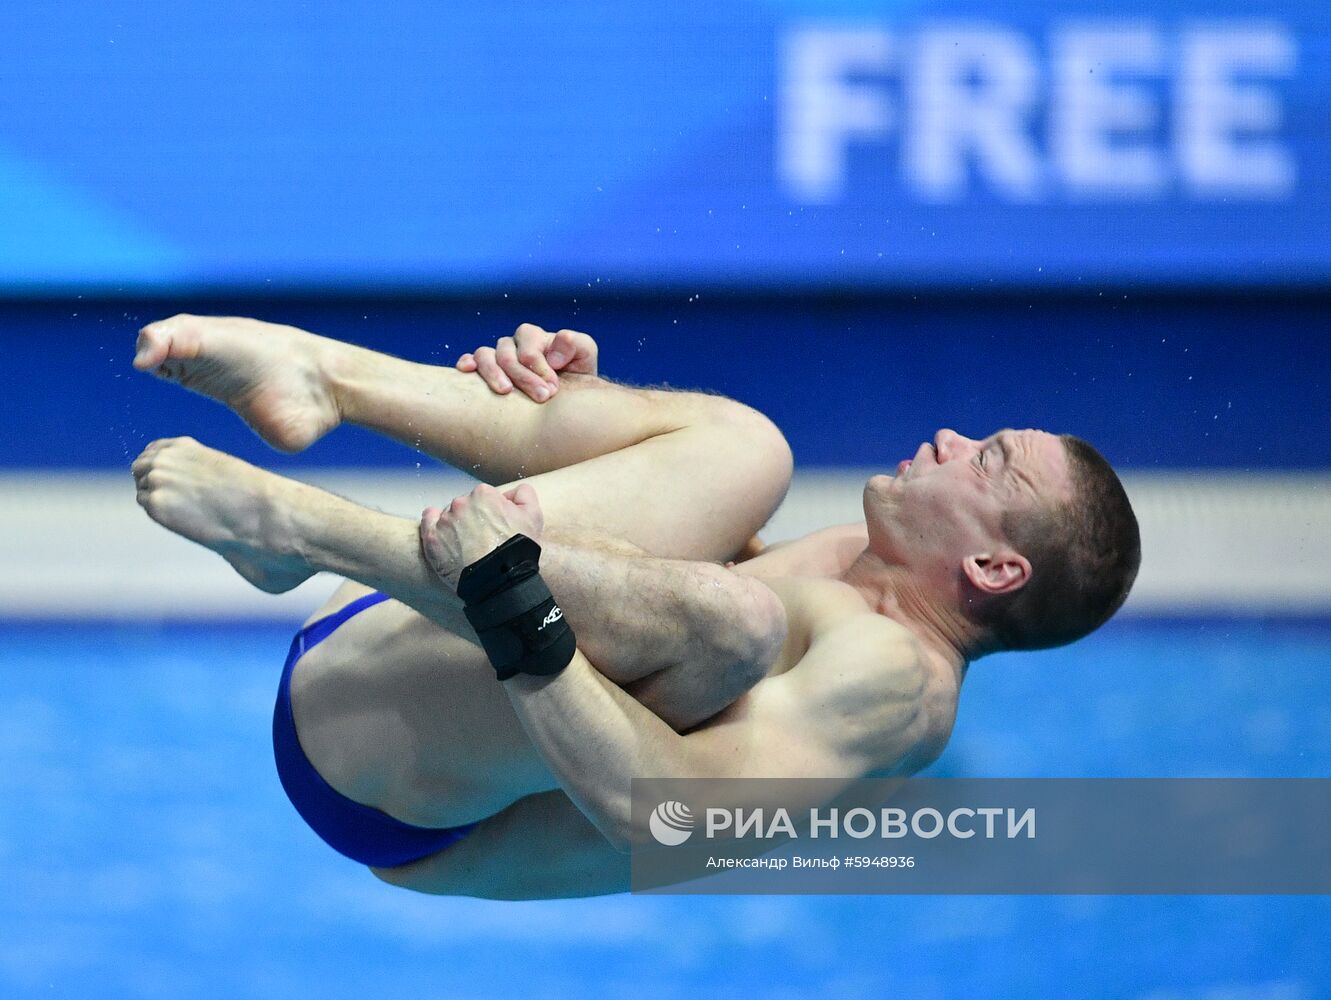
440,723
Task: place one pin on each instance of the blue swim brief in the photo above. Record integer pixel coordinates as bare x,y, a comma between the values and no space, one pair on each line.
361,832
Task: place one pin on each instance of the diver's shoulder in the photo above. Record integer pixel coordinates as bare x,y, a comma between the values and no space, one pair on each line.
824,553
822,601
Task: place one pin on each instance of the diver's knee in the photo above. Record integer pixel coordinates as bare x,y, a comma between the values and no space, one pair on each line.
746,629
766,452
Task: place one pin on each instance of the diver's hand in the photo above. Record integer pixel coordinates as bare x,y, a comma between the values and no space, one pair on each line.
532,359
476,524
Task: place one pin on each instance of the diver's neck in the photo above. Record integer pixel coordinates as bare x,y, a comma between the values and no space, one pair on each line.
894,592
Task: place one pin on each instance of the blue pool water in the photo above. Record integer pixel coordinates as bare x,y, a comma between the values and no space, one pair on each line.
147,850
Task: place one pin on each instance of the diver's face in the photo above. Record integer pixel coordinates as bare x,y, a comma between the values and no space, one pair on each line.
948,501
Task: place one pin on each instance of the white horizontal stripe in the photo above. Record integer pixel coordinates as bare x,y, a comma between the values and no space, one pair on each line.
75,544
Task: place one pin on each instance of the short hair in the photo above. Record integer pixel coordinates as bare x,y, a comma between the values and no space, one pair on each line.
1084,554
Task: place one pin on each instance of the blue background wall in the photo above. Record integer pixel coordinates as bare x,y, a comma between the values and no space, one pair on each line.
1234,381
774,143
1092,219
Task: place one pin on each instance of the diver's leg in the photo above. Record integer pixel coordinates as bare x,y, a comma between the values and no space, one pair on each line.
635,616
683,475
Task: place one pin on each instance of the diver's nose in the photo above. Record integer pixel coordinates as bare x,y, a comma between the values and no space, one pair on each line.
945,443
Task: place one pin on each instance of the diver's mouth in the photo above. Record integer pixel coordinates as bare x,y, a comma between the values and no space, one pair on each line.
903,466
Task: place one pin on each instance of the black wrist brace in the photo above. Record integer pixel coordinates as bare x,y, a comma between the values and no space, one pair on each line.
521,628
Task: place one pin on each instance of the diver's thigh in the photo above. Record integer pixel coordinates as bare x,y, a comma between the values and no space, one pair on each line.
540,847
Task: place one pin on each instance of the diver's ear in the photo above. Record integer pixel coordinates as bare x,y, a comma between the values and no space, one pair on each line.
997,573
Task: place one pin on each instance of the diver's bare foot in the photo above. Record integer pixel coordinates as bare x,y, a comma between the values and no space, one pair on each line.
273,376
225,505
